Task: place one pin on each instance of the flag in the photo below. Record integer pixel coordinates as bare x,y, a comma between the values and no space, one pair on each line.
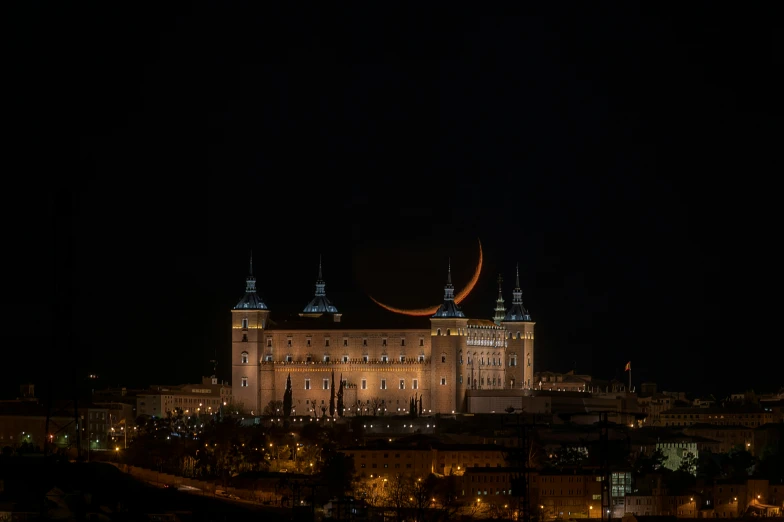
628,367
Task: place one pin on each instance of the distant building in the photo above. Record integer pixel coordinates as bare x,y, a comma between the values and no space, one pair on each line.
195,399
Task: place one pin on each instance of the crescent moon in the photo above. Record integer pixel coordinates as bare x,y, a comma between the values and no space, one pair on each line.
421,312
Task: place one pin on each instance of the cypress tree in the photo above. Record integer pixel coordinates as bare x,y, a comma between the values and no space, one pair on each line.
332,396
340,397
287,398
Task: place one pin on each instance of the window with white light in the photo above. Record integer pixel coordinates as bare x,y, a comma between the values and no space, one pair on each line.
325,385
383,384
289,358
244,357
421,358
345,358
244,382
402,358
402,384
443,381
364,358
268,358
384,358
326,358
307,384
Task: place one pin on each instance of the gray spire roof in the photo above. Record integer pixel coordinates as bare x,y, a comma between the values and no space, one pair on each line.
517,313
500,310
320,304
449,308
251,300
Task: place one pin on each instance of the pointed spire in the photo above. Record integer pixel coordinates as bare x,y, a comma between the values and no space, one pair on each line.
500,309
517,312
251,300
320,277
449,308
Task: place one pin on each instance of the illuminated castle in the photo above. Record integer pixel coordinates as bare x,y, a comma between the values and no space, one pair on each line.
380,367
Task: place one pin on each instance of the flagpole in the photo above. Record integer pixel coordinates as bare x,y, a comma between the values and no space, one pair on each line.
630,377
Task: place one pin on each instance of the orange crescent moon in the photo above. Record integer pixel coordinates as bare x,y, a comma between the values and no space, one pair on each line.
421,312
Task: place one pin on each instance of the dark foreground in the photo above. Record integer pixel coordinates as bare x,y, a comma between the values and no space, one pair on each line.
37,490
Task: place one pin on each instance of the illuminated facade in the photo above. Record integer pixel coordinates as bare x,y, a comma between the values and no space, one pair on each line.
382,368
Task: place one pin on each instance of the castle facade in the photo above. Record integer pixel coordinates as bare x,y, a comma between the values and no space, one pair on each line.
381,368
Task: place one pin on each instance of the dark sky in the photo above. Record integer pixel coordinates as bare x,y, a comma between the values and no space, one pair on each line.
625,155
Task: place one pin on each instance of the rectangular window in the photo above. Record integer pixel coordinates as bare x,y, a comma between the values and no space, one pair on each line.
244,324
402,384
244,382
461,379
415,384
364,358
402,358
364,342
345,342
443,381
288,343
326,358
244,358
345,358
384,341
326,384
308,342
288,358
383,384
326,343
384,358
269,343
421,341
364,384
307,384
421,358
402,342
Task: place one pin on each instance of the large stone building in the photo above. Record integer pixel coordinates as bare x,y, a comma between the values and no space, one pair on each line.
436,362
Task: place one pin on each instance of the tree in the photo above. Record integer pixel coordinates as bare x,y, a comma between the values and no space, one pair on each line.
332,396
399,494
287,398
375,405
273,408
340,398
420,405
646,464
688,464
338,473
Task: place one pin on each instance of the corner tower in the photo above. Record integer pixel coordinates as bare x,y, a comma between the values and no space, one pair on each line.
520,341
248,321
447,330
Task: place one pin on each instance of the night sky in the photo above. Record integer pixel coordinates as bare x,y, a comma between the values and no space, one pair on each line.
625,155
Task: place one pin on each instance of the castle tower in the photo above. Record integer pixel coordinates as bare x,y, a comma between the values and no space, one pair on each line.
248,321
500,309
320,305
447,330
520,341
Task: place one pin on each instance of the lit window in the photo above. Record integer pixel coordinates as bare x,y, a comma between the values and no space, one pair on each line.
364,358
326,384
438,331
383,384
244,382
402,358
345,358
460,379
402,384
443,381
384,358
268,358
326,358
244,357
421,358
415,384
288,358
307,384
